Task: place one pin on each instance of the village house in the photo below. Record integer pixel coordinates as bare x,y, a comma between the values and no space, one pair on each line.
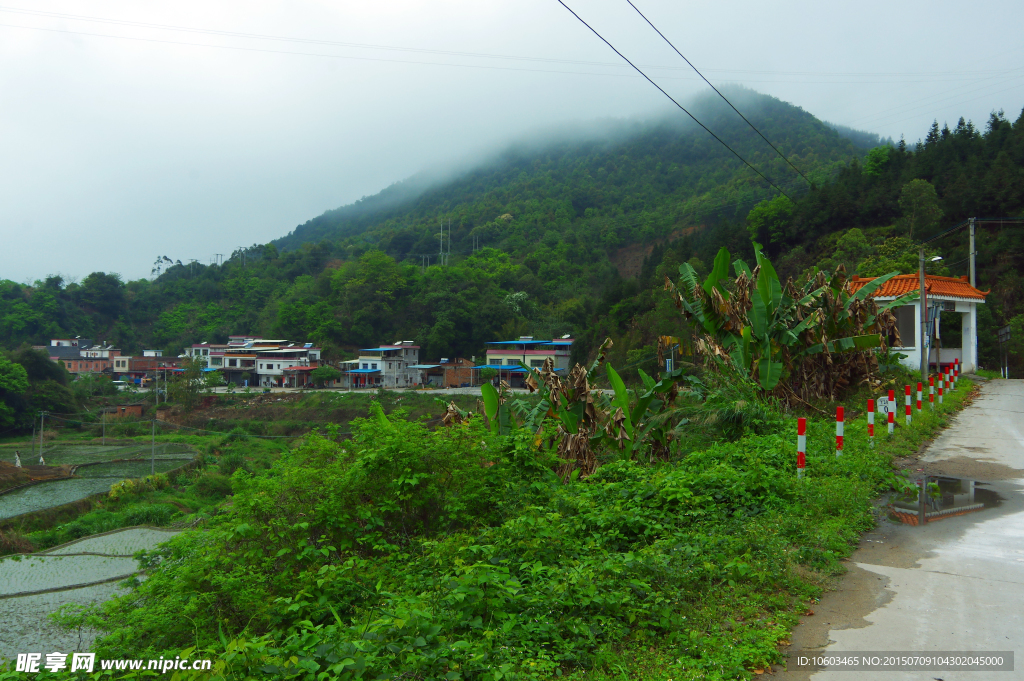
945,294
253,361
452,373
80,356
505,356
388,366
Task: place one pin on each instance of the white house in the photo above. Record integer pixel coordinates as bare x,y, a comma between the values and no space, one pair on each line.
952,294
389,366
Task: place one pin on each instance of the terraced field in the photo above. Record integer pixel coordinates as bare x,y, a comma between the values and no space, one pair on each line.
102,472
119,543
22,574
47,494
26,627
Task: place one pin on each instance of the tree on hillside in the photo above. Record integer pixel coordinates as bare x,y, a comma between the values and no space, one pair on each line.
103,293
920,206
13,383
768,220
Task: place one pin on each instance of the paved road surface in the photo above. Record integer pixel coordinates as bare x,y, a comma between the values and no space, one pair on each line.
952,585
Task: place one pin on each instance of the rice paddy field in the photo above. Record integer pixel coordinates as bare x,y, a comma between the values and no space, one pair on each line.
98,467
28,629
119,543
47,494
22,574
25,619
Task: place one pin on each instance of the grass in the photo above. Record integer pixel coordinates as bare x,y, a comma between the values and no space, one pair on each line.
776,551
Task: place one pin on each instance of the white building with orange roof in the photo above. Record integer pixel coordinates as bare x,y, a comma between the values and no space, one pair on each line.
945,294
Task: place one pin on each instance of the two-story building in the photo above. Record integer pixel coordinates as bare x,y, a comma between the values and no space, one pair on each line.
264,362
389,366
505,356
80,356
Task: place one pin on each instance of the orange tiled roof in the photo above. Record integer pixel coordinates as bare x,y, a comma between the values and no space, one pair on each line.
952,287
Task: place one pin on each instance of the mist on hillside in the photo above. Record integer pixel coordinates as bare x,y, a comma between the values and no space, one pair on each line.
596,136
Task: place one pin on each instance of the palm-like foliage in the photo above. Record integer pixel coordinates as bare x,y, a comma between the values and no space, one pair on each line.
801,342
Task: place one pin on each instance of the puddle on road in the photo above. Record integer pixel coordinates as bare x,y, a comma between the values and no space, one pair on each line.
940,497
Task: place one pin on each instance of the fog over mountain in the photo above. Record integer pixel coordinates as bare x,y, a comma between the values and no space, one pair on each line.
189,129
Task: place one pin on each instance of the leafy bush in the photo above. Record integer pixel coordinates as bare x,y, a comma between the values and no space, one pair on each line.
212,485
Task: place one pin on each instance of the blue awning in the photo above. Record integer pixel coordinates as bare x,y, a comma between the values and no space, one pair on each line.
502,367
363,371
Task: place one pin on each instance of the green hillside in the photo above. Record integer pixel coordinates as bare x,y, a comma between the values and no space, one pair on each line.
566,236
554,226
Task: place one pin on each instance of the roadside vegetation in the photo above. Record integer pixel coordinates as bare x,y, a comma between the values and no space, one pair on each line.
653,532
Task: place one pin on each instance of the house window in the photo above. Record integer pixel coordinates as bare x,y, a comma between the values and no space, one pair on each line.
536,362
374,366
905,324
389,365
232,362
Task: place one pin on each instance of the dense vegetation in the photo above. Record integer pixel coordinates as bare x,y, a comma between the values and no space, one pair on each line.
458,553
554,225
573,236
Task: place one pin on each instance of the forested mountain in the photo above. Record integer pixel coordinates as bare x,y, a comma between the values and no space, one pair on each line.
570,236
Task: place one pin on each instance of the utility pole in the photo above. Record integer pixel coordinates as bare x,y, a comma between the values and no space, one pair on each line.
42,429
103,420
152,443
922,344
971,255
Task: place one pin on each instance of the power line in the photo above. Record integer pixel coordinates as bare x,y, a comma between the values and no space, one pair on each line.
752,127
944,75
672,99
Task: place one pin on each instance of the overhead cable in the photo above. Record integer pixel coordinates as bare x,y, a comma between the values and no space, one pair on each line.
752,126
672,99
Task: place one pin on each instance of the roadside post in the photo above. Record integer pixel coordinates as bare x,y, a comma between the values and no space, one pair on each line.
919,397
942,384
891,410
931,392
801,446
839,431
871,423
907,401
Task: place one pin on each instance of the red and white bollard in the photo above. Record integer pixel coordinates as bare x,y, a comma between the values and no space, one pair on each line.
956,372
891,410
918,397
931,392
871,423
907,400
801,446
942,384
839,431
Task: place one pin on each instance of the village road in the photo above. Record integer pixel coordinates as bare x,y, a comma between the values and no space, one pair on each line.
955,584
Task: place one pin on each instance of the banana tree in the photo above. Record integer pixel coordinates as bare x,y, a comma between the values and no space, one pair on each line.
768,332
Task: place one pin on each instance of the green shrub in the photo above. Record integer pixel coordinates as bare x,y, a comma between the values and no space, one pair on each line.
149,514
212,485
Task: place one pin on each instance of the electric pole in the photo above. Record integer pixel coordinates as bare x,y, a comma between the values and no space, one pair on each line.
923,344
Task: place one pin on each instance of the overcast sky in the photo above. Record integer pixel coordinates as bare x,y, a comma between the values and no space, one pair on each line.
130,130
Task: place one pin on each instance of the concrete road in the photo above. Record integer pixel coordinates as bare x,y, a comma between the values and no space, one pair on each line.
956,584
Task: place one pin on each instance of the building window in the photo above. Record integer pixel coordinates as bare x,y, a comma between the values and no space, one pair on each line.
232,362
365,365
905,324
536,362
374,366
